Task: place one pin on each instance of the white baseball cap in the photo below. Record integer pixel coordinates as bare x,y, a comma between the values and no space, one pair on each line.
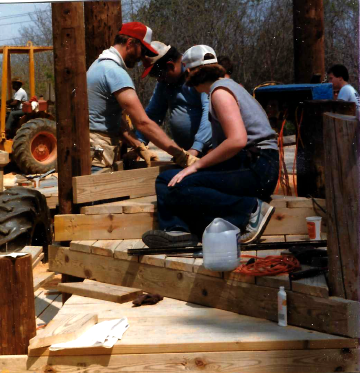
149,63
194,56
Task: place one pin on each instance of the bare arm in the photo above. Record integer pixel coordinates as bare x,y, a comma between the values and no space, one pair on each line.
228,114
129,101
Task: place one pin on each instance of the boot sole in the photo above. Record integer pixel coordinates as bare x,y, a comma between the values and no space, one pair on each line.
159,238
263,225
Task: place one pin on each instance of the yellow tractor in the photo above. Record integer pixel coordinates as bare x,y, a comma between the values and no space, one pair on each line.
34,146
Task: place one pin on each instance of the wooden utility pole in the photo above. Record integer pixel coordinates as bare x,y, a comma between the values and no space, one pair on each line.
102,22
309,55
71,98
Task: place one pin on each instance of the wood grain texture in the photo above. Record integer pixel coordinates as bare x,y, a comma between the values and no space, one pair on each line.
295,361
342,204
34,251
103,227
17,308
98,290
131,183
63,330
316,286
333,315
41,278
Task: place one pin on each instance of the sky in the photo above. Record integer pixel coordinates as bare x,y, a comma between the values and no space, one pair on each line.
13,17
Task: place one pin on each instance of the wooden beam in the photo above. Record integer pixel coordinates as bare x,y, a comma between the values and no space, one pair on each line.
342,189
131,183
103,227
308,40
333,315
34,251
102,22
64,329
73,139
98,290
17,307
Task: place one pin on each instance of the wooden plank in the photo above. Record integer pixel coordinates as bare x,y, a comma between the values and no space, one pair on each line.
236,276
132,183
297,237
277,238
98,290
180,264
290,221
64,330
38,260
124,246
316,286
103,227
43,300
119,207
198,267
341,138
294,361
333,315
83,246
105,247
41,278
34,251
308,203
50,312
155,260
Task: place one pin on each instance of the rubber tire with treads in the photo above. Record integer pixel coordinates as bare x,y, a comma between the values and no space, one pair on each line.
24,219
22,154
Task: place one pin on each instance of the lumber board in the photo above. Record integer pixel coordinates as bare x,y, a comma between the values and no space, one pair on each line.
295,361
105,247
50,312
103,227
119,207
34,251
316,286
198,267
84,245
43,300
121,251
185,327
64,329
38,260
333,315
155,260
290,221
98,290
41,278
130,183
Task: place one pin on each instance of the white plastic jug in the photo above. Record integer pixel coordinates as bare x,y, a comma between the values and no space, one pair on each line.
221,246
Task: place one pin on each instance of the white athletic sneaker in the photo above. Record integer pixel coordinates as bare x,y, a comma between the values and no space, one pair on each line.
258,222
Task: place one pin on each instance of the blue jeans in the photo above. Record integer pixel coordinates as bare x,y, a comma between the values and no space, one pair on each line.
228,190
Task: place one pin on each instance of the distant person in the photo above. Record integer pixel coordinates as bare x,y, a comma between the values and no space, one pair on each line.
338,75
15,104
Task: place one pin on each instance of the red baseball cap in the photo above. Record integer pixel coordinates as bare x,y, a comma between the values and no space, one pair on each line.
139,31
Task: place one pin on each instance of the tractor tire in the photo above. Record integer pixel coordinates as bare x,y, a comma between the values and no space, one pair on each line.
35,146
24,220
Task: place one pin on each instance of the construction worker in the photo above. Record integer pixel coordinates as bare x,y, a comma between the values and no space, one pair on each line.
111,90
235,179
15,103
189,110
338,75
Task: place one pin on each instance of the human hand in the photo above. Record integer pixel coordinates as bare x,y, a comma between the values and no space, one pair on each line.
184,158
193,152
147,155
183,173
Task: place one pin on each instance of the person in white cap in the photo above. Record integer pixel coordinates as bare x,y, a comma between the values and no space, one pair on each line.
232,182
188,109
111,90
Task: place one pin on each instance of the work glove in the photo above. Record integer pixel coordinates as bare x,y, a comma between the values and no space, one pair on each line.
184,159
146,154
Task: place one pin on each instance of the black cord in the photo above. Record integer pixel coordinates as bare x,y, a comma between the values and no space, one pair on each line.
313,199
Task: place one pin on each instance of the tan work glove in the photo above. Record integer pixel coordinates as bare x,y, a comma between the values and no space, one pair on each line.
184,159
146,154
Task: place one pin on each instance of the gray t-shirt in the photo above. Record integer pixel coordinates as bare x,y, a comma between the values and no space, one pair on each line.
259,131
348,93
104,77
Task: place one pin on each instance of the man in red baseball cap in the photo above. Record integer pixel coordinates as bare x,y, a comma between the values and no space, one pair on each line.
111,90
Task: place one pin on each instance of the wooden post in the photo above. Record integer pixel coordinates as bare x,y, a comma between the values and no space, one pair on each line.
17,305
342,196
31,70
71,98
102,22
308,40
310,154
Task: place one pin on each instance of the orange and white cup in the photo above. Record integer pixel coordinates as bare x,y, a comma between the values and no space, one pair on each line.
314,227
